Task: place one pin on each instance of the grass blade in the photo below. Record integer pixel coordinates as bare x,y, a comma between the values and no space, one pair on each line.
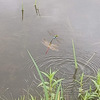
76,66
45,90
57,93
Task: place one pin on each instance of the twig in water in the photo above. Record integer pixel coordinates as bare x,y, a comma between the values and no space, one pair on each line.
90,59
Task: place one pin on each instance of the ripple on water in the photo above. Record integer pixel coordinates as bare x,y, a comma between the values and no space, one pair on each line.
66,70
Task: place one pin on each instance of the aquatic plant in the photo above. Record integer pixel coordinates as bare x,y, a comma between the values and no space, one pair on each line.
52,85
97,85
75,60
22,6
36,8
76,65
22,10
51,88
89,94
21,98
44,86
35,2
55,91
80,82
25,98
82,94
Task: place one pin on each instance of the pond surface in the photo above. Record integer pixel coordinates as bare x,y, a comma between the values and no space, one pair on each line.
69,19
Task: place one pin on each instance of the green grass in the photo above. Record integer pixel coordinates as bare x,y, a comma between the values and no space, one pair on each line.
36,8
25,97
89,94
57,93
75,60
22,6
44,86
35,2
52,87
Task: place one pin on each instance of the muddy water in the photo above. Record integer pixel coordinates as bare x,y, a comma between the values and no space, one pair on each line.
69,19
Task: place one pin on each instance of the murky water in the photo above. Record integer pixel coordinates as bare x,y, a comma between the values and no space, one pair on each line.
69,19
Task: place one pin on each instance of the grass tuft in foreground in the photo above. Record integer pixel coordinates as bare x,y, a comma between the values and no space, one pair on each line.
52,88
89,94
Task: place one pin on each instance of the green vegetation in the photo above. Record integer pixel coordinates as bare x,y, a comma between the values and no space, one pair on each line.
89,94
54,90
44,86
76,66
22,10
25,97
36,8
22,6
52,87
35,2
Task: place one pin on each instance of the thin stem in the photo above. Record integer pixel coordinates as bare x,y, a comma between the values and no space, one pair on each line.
76,66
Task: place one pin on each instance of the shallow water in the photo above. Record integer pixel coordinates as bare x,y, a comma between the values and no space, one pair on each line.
69,19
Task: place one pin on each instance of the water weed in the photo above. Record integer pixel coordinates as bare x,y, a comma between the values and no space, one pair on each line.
36,8
53,86
55,90
75,60
80,82
41,77
25,97
21,97
22,10
89,94
97,85
76,65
